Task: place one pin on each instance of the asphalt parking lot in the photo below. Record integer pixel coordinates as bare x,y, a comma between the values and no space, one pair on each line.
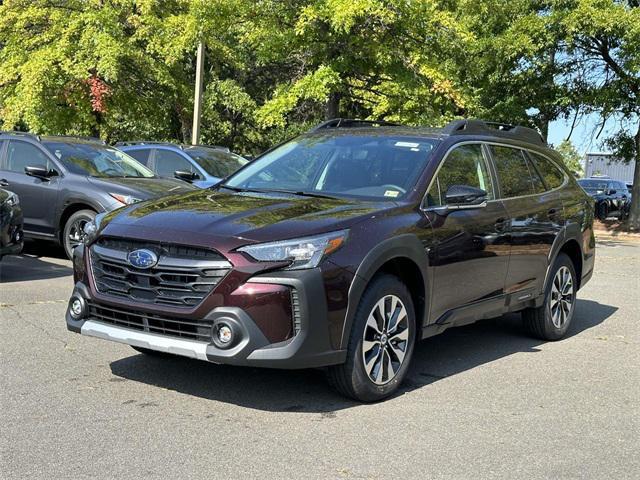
483,401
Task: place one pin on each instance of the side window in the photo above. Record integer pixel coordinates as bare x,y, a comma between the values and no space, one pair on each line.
141,155
552,175
513,171
22,154
168,162
2,167
465,165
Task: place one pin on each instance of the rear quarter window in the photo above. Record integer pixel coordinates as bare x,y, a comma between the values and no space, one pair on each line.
551,174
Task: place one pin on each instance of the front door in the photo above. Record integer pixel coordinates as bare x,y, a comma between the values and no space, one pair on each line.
468,251
38,197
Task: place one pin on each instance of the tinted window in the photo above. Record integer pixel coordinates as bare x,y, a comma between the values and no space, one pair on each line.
372,166
552,175
141,155
463,166
22,154
216,162
168,162
593,186
513,172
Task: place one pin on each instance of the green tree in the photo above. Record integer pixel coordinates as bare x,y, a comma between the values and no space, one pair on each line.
601,47
571,157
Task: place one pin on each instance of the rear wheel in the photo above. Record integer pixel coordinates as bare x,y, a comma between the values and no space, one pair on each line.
73,232
551,320
381,343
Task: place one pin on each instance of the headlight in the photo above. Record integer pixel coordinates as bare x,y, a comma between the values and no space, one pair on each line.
301,252
12,200
92,228
124,199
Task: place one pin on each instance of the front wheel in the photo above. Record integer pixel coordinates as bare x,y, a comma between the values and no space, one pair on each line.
551,320
73,232
381,343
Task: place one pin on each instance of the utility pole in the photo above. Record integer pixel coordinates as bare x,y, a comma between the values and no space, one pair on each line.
197,101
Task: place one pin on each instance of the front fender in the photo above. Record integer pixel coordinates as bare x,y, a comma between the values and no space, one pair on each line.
403,246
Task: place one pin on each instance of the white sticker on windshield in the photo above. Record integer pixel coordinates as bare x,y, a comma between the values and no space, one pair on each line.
391,193
407,144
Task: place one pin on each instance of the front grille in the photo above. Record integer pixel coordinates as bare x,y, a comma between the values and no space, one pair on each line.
147,322
183,276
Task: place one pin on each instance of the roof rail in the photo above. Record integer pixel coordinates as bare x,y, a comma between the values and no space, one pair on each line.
23,134
217,147
82,137
351,123
482,127
144,142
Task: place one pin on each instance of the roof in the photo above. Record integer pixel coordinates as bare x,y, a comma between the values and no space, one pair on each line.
454,128
53,138
181,146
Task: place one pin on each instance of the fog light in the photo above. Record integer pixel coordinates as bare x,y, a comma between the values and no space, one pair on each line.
225,334
76,308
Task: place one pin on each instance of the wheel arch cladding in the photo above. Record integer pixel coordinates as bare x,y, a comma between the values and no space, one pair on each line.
571,248
403,256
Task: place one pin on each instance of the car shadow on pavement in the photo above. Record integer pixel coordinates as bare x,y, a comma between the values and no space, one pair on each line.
32,266
455,351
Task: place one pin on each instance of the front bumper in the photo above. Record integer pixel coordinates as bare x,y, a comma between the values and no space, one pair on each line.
310,347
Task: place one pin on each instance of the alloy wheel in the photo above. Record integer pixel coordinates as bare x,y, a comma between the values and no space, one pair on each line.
385,340
76,232
562,297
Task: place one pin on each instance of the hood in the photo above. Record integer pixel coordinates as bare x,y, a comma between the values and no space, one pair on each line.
249,216
142,188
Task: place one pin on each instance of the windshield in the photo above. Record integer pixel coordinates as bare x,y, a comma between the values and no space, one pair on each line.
371,166
216,162
593,184
97,160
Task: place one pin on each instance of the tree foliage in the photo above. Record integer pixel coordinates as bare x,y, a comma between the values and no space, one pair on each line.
571,157
124,69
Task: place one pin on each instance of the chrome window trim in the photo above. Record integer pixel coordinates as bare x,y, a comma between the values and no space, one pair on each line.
492,162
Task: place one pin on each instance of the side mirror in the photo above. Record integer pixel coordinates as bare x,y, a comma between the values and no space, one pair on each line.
186,176
40,171
465,196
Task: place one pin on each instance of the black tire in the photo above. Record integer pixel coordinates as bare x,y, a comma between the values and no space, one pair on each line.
153,353
75,221
540,321
351,378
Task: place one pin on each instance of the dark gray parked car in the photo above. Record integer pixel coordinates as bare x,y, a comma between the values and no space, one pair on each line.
63,182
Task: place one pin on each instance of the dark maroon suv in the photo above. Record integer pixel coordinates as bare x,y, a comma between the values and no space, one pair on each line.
342,248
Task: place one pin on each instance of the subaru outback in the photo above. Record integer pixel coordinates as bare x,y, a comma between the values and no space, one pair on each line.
341,249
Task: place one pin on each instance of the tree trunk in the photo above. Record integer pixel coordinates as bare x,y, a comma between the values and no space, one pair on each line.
333,106
634,214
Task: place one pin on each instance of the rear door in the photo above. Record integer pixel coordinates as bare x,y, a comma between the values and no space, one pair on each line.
38,197
536,217
468,251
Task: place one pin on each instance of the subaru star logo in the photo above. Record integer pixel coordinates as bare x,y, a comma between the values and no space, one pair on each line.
142,258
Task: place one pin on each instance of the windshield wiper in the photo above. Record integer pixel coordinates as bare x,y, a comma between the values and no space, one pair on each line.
301,193
298,193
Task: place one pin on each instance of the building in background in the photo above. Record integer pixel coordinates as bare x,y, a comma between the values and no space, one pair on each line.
606,164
